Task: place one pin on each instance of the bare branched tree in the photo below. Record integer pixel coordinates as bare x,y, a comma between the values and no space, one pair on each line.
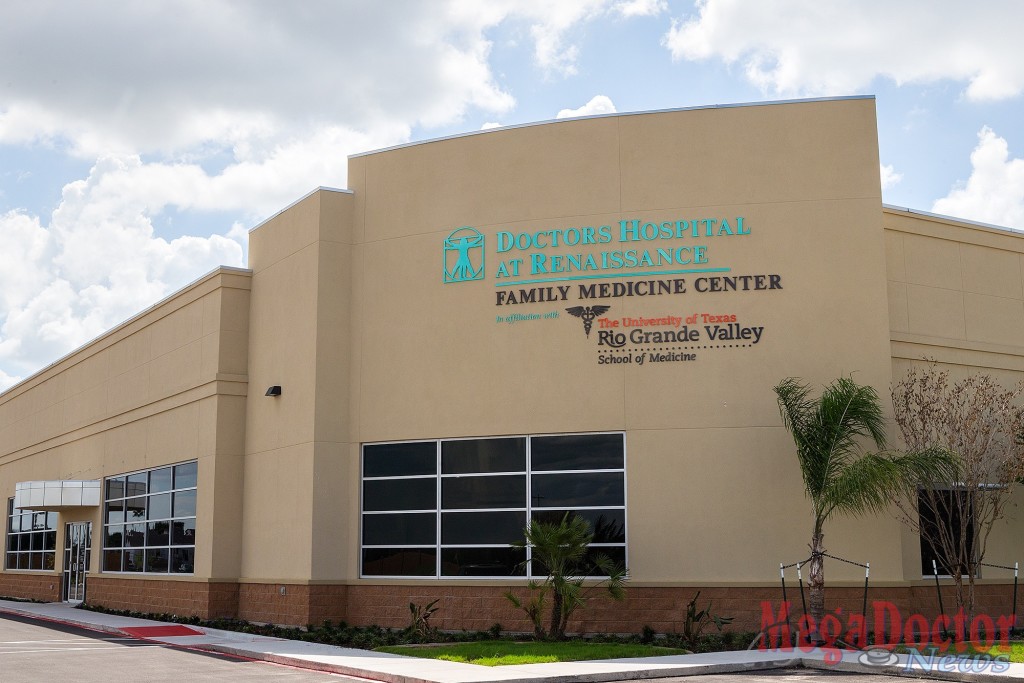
980,423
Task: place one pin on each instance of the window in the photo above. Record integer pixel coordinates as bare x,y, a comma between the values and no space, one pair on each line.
31,539
456,507
941,512
149,521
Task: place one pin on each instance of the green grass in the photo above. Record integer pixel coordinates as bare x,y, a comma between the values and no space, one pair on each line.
505,652
1016,651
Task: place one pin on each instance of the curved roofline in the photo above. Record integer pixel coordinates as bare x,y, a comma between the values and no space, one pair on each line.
604,116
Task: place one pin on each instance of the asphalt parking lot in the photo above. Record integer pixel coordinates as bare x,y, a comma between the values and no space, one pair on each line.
33,651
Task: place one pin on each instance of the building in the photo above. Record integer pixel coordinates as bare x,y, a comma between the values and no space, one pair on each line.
586,314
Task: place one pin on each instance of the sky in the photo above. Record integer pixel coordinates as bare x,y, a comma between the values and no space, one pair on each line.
140,141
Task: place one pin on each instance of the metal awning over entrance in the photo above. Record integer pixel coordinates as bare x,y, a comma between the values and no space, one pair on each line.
53,496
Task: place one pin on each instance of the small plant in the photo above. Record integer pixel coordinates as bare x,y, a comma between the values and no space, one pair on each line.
698,620
534,607
647,635
419,624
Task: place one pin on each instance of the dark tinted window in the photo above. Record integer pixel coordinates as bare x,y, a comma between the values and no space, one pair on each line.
483,561
615,555
482,527
474,491
157,511
185,475
608,526
115,512
399,561
160,506
183,560
400,494
941,513
185,504
115,488
483,492
183,532
483,455
400,529
160,480
577,452
138,484
158,533
583,489
400,459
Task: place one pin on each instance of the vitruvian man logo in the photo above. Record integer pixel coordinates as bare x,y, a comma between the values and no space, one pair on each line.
587,314
464,255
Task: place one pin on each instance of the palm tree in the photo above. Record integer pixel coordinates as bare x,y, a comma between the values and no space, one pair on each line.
837,478
562,550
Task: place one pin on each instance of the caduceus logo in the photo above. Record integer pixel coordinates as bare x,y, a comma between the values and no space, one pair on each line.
464,255
587,314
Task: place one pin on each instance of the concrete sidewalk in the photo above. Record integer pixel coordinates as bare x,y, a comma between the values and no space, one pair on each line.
398,669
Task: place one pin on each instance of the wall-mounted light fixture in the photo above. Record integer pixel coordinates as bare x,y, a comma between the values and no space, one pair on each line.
274,390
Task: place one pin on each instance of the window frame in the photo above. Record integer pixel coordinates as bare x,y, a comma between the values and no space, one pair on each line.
527,509
44,532
170,546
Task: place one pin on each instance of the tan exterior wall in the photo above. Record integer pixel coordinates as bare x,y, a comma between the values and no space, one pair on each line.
297,447
805,180
347,309
956,297
166,386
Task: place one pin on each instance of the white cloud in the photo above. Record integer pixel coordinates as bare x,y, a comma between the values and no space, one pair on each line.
889,176
641,8
214,105
489,125
162,77
96,264
995,191
599,104
551,21
8,381
793,47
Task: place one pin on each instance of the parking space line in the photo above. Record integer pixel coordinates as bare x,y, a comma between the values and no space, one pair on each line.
59,649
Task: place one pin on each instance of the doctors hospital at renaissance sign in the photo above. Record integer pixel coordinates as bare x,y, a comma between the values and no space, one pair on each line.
601,268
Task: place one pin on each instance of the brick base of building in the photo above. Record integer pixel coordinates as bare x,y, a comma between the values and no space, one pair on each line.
478,608
661,608
183,598
298,605
45,587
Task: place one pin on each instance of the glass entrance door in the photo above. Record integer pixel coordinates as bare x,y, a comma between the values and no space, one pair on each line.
77,544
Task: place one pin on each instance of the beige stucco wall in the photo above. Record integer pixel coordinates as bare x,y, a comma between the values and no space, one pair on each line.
713,490
956,296
164,387
347,309
297,449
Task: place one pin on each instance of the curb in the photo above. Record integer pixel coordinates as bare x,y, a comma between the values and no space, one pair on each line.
599,677
903,668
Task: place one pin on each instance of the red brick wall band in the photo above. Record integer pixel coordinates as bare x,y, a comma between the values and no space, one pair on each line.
663,609
44,587
183,598
474,607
